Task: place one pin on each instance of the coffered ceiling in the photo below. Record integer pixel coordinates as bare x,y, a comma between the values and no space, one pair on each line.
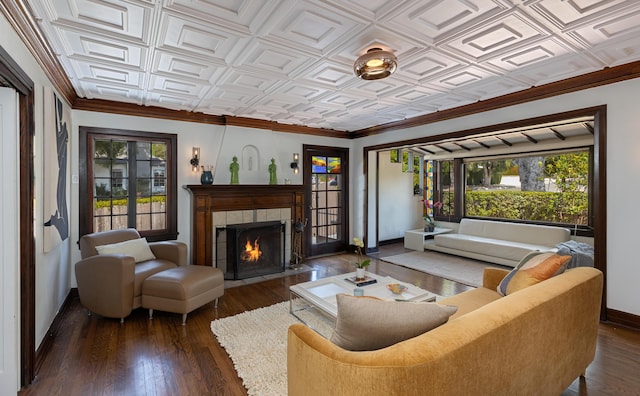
291,61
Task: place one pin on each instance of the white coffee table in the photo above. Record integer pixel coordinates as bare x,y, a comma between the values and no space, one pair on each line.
321,294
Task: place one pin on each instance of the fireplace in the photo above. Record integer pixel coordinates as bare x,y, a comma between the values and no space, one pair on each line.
252,249
214,206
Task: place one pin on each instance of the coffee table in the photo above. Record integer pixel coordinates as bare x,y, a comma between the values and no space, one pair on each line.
321,294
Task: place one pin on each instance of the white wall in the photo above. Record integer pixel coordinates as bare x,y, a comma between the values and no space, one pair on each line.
51,269
218,144
54,275
623,166
399,209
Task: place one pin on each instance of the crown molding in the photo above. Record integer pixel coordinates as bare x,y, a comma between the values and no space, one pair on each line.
590,80
21,19
276,126
132,109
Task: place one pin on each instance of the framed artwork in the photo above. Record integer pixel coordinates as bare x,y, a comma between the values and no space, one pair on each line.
57,123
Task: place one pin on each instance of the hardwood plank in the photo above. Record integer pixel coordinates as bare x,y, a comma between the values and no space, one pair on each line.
95,355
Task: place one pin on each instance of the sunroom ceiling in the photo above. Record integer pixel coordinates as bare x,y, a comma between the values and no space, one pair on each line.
552,136
291,61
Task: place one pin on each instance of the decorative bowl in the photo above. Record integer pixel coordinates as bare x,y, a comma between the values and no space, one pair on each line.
397,288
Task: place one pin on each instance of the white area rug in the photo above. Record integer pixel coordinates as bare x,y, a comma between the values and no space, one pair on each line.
458,269
256,341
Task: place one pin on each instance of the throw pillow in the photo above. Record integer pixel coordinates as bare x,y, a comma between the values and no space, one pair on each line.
365,324
533,268
136,248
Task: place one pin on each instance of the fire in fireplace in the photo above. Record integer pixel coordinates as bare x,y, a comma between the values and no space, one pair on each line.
251,252
254,249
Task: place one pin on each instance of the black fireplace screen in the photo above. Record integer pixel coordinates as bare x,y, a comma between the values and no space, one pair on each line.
254,249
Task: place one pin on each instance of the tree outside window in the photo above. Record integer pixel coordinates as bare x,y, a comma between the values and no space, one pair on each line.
550,188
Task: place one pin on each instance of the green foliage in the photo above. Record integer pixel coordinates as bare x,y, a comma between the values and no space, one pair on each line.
557,207
486,173
405,161
569,205
416,174
447,172
159,150
447,203
570,171
107,203
110,149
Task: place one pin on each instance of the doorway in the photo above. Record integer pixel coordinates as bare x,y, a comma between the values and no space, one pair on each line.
9,242
12,76
326,182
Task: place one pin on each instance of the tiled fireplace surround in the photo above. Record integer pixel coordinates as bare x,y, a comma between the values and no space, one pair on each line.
224,218
221,205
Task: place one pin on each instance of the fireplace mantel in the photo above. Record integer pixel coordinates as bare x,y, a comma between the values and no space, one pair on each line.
206,199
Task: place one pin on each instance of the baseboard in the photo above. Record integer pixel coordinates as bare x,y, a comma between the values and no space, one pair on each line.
47,342
391,241
623,319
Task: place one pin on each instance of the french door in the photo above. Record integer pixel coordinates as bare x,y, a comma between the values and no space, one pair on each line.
326,182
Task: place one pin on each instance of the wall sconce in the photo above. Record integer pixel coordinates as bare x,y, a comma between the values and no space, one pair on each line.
294,164
195,158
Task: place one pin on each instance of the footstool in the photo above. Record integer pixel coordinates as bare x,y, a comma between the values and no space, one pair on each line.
182,289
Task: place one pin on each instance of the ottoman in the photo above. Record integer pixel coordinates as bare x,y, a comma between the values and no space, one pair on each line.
182,289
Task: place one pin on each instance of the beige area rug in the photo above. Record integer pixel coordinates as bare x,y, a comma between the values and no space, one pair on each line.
458,269
288,271
256,341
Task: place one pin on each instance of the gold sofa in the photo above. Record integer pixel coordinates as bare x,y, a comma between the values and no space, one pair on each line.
536,341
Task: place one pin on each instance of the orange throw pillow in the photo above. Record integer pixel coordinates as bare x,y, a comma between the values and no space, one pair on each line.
534,268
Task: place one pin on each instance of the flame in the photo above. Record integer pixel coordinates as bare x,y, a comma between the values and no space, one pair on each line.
251,252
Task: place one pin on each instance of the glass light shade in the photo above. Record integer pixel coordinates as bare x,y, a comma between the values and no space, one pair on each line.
195,158
375,64
294,164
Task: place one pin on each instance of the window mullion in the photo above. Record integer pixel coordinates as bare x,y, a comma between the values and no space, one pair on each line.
131,185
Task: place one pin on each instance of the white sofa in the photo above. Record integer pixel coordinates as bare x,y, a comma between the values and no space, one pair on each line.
497,241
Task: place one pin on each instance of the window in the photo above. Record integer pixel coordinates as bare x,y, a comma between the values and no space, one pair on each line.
326,195
116,177
417,170
128,181
445,189
394,156
549,187
159,180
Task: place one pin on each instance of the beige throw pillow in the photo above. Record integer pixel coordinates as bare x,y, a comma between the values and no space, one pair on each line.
136,248
365,324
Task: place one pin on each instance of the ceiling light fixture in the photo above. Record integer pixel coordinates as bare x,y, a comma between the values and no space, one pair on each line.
375,64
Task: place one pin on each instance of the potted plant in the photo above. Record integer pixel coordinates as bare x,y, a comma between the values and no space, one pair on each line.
431,224
361,265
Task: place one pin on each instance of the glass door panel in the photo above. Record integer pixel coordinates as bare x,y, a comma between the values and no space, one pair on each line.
326,197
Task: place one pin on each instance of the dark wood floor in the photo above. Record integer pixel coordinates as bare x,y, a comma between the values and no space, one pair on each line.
92,355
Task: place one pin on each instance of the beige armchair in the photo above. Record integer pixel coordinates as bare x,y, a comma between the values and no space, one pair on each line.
111,284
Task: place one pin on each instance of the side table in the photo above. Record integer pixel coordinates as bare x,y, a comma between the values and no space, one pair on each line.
414,239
